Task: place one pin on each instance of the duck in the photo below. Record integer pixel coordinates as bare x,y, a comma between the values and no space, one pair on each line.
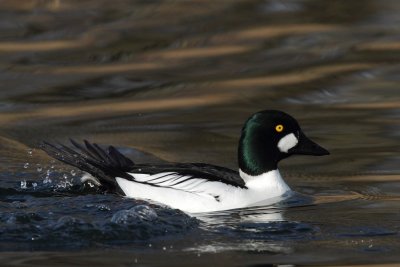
267,137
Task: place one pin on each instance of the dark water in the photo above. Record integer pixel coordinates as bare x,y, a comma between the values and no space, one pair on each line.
175,80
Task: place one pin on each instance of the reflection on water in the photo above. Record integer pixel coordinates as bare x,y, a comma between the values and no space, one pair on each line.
175,81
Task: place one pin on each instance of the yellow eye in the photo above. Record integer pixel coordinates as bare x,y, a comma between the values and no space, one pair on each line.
279,128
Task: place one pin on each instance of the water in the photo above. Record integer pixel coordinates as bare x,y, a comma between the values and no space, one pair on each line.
174,81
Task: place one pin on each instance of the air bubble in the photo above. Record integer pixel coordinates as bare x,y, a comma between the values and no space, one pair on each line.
26,165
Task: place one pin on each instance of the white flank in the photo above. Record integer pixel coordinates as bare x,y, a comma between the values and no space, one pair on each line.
192,194
287,142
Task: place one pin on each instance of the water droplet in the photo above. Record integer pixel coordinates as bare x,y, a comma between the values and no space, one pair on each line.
30,152
135,260
164,248
47,177
34,185
150,245
11,220
65,176
26,165
19,205
198,254
73,172
103,207
39,168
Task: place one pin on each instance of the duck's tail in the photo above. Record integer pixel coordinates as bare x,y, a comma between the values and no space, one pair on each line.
103,164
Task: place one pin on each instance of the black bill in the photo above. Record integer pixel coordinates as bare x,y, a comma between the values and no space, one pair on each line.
307,147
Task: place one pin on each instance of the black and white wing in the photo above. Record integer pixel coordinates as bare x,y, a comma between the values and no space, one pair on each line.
108,164
181,173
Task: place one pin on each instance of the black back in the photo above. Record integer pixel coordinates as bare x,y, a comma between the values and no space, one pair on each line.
196,170
107,164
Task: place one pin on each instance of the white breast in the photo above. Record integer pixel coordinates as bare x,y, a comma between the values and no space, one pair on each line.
269,182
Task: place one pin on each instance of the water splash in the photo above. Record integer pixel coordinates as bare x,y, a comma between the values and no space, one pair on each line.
89,220
141,213
23,184
39,168
47,179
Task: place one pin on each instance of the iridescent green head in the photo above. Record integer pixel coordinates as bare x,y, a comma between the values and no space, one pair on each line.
270,136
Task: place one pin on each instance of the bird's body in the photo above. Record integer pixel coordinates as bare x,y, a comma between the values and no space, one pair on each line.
202,195
267,137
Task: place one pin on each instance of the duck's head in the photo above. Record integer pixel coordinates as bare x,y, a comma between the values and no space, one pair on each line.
270,136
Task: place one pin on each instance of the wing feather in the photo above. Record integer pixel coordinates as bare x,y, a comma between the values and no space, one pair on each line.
173,180
108,164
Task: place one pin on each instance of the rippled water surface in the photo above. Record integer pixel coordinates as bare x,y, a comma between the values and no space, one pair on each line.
174,81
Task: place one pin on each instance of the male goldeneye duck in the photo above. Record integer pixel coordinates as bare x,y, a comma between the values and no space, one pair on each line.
267,137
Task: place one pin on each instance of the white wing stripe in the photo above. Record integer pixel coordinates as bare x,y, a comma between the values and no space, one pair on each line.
165,179
162,174
191,185
172,180
182,180
196,184
144,177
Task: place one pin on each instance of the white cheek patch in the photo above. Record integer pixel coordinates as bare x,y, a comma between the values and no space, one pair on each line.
287,142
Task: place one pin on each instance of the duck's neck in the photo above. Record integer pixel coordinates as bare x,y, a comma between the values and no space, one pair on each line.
271,180
257,153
